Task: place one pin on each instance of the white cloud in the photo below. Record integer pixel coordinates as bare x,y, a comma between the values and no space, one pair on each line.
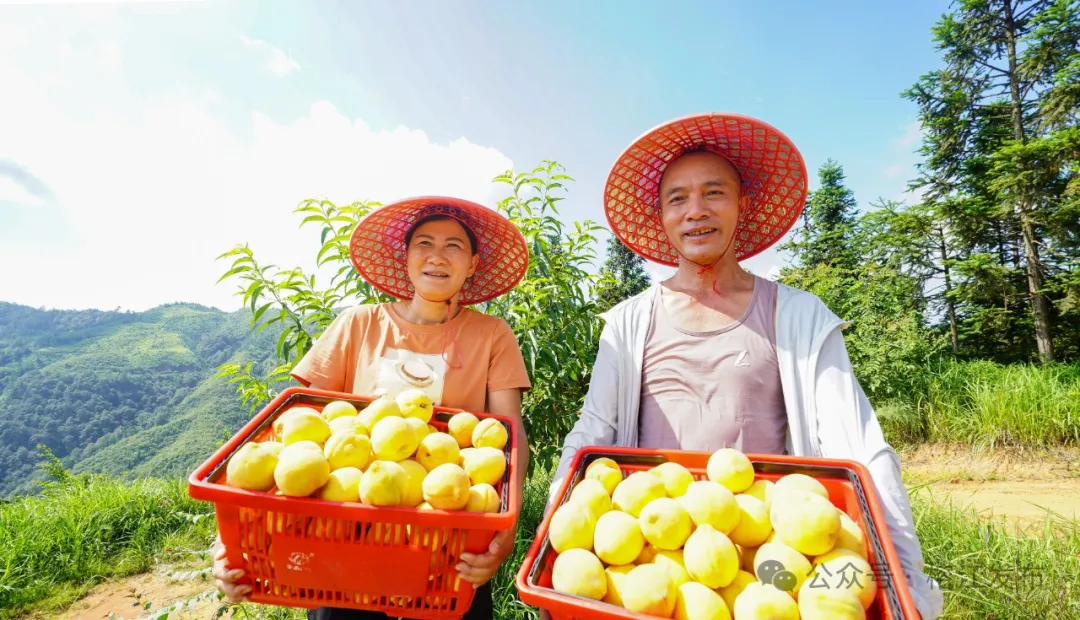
149,189
276,60
902,149
911,136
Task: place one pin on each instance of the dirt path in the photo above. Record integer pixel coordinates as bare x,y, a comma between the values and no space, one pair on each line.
1021,486
145,596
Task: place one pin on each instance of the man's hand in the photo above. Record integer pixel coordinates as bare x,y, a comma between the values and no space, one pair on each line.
227,579
479,569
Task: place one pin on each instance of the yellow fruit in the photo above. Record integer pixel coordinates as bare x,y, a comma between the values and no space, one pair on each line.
694,601
851,536
610,477
419,427
763,490
436,449
489,433
301,471
338,409
412,494
746,561
415,403
710,503
616,575
730,468
732,591
252,467
593,494
485,465
617,538
347,449
571,527
483,498
634,493
461,426
754,525
343,485
429,537
382,484
305,426
274,446
844,570
347,423
761,600
673,562
392,439
647,589
779,565
447,487
579,573
805,521
279,424
647,555
822,603
710,557
674,476
462,452
376,410
665,523
601,462
800,482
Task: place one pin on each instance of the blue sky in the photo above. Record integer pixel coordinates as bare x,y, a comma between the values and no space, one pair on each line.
143,130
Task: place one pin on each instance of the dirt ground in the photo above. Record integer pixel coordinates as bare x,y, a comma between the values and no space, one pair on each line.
145,596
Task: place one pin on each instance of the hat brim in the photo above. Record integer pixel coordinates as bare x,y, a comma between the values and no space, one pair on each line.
773,174
377,247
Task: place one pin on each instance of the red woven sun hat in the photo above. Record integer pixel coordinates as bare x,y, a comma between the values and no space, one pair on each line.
772,170
377,247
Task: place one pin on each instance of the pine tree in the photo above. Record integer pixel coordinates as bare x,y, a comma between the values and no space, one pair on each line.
623,275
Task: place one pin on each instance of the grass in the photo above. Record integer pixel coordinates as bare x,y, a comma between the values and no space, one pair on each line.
989,405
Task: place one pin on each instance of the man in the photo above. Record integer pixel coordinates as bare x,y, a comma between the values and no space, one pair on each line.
716,357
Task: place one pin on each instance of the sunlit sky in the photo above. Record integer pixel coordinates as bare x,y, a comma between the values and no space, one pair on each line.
140,140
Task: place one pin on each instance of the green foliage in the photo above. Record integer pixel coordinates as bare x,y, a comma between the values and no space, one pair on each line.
622,276
828,229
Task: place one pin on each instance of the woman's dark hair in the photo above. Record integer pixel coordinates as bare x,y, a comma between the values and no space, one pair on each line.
437,217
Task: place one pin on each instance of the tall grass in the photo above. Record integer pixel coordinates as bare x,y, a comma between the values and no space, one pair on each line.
989,405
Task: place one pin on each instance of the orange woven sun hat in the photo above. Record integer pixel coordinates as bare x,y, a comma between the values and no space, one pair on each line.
773,174
377,247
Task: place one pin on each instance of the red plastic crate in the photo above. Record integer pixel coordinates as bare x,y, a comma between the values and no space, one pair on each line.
309,553
846,481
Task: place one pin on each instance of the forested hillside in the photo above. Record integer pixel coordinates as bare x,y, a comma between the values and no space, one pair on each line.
120,392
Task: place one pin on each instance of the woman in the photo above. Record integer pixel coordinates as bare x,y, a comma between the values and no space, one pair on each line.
436,255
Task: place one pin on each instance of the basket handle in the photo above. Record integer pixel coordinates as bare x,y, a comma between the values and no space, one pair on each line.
228,518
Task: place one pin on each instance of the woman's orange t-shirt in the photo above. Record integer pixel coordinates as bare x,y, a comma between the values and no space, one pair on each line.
369,350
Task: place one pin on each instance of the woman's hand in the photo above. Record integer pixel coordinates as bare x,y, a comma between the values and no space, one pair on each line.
479,569
227,580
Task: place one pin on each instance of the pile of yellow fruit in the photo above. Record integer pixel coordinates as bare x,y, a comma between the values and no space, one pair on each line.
385,454
662,543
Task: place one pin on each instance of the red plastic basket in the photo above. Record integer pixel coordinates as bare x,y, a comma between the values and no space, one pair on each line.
846,481
310,553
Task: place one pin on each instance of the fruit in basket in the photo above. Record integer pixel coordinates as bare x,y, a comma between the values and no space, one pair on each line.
732,591
338,409
710,557
647,589
617,538
842,569
636,491
754,525
343,485
805,521
673,562
695,601
348,449
436,449
301,470
851,536
421,428
778,564
447,487
415,403
462,453
485,465
616,576
305,425
460,426
760,600
800,482
412,494
392,439
606,471
665,523
483,498
571,526
730,468
279,424
382,484
252,467
592,494
275,446
347,423
829,604
579,573
763,490
675,477
381,407
489,433
710,503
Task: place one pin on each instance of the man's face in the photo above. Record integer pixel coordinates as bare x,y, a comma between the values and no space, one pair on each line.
699,201
440,258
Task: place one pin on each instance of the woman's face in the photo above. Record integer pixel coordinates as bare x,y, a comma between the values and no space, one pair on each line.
440,259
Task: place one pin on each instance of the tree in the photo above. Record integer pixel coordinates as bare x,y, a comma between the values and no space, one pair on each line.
622,276
828,229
